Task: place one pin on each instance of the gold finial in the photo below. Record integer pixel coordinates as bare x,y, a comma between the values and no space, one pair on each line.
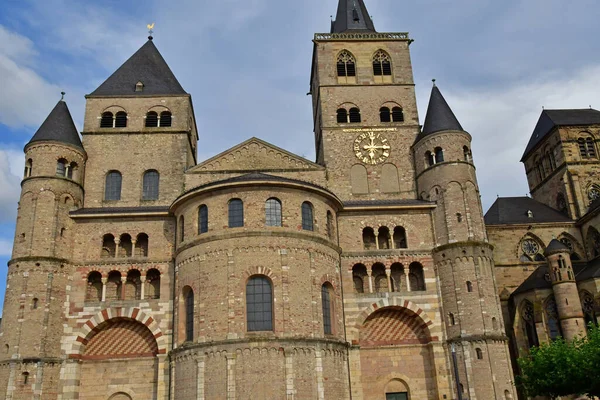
150,30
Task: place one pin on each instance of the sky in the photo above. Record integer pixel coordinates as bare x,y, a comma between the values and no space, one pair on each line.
247,65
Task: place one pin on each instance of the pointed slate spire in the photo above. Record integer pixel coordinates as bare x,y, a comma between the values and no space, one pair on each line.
439,115
58,127
352,16
146,66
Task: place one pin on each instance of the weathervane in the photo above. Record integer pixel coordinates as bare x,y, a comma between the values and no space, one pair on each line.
150,30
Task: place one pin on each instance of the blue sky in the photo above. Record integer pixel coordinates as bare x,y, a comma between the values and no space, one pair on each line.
247,65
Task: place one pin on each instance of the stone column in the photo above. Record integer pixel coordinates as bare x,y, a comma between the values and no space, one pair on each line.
319,370
104,281
123,281
388,273
200,365
406,275
369,273
143,289
289,375
377,238
133,242
231,376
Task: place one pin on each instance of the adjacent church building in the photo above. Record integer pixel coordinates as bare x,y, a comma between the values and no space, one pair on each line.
140,272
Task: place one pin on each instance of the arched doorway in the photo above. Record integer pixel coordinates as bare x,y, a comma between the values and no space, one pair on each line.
116,349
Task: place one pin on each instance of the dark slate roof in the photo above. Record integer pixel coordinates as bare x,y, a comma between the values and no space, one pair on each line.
405,202
591,270
58,127
352,16
439,116
513,210
549,119
147,66
556,246
537,280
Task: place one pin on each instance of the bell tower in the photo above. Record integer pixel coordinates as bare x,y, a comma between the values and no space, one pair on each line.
364,107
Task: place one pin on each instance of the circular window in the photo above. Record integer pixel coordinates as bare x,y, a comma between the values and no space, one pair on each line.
530,247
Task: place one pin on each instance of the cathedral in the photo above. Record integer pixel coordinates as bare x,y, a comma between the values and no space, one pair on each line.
142,273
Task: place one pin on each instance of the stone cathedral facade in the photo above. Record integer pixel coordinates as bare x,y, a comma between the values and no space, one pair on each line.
141,272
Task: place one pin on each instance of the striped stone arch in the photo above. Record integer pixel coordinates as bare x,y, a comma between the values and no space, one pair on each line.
394,302
90,328
259,271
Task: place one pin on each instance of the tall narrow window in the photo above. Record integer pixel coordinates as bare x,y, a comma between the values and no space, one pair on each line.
479,353
326,303
384,115
61,167
236,213
342,116
28,168
181,229
554,330
273,212
400,238
469,286
189,314
259,304
582,147
121,119
109,246
397,114
589,309
106,121
94,287
439,155
141,245
307,216
203,219
112,189
466,154
429,159
166,119
451,319
72,170
529,320
382,65
151,119
368,236
354,115
591,150
151,185
346,66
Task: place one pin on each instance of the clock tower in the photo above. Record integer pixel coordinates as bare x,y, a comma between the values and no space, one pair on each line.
364,107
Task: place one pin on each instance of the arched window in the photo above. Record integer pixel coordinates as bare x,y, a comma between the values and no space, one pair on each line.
72,170
368,236
106,121
34,304
188,295
141,245
151,185
382,64
589,309
342,116
397,114
591,149
469,286
125,246
61,167
416,277
354,115
494,323
181,229
379,277
330,226
467,154
326,294
108,246
113,286
151,119
439,155
398,277
528,316
346,65
166,119
479,353
429,159
202,219
133,285
552,322
121,119
259,304
236,213
273,212
152,284
383,238
28,168
307,216
359,275
112,188
400,238
451,319
385,115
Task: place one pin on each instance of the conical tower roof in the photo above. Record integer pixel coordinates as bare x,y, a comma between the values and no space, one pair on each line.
352,15
146,66
439,116
556,246
58,127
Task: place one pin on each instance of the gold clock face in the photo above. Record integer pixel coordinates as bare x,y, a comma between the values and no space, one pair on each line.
371,148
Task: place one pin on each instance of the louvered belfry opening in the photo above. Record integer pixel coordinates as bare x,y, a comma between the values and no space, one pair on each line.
382,64
384,114
151,120
354,115
107,120
397,114
346,65
121,119
165,119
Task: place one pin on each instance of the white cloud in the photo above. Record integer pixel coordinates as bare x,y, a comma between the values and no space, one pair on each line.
502,119
11,164
5,248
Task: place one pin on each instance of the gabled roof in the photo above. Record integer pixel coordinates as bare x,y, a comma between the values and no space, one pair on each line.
58,127
513,210
550,119
146,66
439,116
352,16
537,280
